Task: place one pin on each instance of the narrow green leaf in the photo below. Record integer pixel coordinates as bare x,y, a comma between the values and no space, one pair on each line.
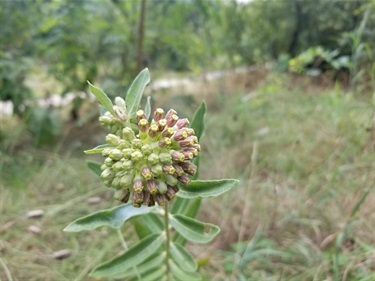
97,149
198,120
183,275
208,188
132,257
94,167
190,210
147,224
153,274
135,92
194,230
102,98
114,218
155,261
183,258
148,108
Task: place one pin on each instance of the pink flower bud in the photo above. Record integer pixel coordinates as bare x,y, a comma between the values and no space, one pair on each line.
153,131
161,124
189,168
160,199
165,142
168,169
158,114
146,173
167,133
180,135
138,185
182,123
170,113
178,170
140,115
170,194
151,185
184,179
172,120
143,125
177,156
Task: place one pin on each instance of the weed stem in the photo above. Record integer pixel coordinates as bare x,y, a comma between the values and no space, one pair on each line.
166,221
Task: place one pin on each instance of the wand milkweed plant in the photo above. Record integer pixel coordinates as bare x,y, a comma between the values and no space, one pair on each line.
151,162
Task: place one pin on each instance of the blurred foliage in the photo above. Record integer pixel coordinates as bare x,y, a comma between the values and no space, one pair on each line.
77,40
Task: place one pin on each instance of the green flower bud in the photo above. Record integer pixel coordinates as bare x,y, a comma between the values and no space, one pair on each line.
105,120
109,162
136,143
165,158
116,154
157,170
153,159
112,139
136,156
126,180
107,174
162,187
103,167
127,152
122,195
106,151
170,180
116,182
146,149
117,166
128,134
120,102
127,165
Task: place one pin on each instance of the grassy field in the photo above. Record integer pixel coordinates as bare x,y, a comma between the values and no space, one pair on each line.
305,209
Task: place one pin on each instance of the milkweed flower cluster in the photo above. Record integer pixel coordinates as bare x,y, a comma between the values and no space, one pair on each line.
145,160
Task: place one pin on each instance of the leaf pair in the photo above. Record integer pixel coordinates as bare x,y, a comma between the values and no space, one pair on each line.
133,96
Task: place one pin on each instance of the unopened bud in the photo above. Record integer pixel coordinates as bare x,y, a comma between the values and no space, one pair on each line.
112,139
143,125
188,155
137,199
180,135
170,180
170,113
120,112
189,141
140,115
127,152
126,180
146,149
161,125
156,170
189,168
137,156
177,156
136,143
170,193
184,179
107,174
105,120
117,166
158,114
120,102
160,199
122,195
153,159
103,167
106,151
109,162
178,170
153,131
151,186
167,133
138,185
182,123
127,165
165,158
146,173
162,187
190,131
165,142
128,134
168,169
146,198
116,154
116,182
172,120
152,201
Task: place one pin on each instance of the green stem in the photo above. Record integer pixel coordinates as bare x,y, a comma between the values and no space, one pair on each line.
166,221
